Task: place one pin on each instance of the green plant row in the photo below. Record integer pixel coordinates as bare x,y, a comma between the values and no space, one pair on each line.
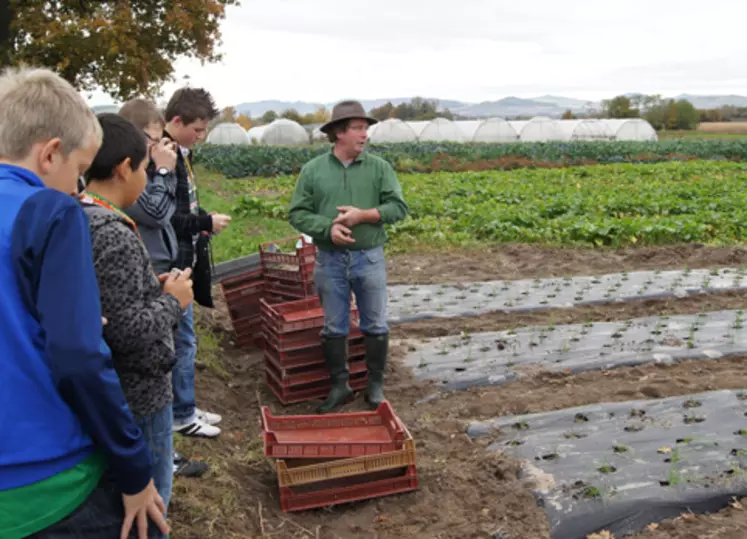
268,161
610,205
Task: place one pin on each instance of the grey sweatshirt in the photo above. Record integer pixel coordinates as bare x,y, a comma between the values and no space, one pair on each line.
152,212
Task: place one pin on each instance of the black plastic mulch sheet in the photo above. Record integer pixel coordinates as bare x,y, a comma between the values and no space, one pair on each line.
496,358
621,466
408,303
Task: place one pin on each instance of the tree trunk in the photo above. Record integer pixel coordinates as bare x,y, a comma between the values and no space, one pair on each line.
5,18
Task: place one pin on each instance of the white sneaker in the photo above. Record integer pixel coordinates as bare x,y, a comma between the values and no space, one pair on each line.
198,428
208,417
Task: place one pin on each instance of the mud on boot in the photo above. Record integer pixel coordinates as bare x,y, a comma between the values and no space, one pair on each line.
336,359
377,349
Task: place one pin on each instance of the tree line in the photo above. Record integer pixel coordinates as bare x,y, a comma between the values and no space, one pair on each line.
416,109
666,114
661,113
229,114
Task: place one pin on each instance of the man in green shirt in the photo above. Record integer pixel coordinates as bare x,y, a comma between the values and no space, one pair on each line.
342,200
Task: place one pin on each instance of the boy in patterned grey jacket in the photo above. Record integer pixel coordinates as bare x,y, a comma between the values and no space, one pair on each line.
141,307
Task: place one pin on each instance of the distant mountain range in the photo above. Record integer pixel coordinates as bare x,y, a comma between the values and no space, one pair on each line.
511,107
258,108
715,101
508,107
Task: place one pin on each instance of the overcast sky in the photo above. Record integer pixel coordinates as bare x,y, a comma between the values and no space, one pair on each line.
473,50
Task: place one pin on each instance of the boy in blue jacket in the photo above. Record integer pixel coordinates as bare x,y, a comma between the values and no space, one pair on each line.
73,462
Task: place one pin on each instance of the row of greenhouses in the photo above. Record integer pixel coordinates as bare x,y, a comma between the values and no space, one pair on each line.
284,132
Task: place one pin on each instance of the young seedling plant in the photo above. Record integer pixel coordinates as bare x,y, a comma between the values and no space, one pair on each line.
739,322
620,449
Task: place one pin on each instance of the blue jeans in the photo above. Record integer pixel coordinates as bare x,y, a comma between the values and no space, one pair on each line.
183,374
363,272
158,432
100,516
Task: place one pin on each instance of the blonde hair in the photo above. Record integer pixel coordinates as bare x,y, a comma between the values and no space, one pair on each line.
37,105
142,113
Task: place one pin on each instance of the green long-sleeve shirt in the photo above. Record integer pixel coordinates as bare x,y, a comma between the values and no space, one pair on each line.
366,183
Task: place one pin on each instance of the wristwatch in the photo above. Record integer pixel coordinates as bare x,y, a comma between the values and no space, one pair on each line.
163,171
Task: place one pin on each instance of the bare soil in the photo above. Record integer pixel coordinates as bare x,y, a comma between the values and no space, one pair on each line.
722,127
464,491
520,261
730,523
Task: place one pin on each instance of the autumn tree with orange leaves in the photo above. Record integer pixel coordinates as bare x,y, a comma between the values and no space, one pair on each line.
125,47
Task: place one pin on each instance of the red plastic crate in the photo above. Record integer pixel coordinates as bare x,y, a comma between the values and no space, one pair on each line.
315,327
249,324
311,354
247,292
294,315
313,392
239,281
249,327
304,274
245,309
295,472
310,375
242,294
298,315
291,289
327,493
304,255
332,435
287,342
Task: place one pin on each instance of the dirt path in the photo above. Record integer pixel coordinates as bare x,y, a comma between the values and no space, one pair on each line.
519,261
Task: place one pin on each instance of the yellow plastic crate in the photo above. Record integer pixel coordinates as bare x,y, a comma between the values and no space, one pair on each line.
335,469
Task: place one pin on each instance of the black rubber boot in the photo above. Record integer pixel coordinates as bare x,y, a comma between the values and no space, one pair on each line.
336,359
377,349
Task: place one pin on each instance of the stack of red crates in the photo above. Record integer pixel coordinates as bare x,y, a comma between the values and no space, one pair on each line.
281,277
275,307
289,275
294,361
326,460
242,295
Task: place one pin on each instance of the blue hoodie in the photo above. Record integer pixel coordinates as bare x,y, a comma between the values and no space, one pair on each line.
60,398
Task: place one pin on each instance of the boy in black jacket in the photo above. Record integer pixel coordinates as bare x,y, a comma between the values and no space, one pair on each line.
142,308
187,115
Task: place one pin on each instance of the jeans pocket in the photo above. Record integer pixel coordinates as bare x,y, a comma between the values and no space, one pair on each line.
321,258
375,255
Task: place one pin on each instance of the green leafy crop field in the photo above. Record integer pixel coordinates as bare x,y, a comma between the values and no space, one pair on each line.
268,161
608,205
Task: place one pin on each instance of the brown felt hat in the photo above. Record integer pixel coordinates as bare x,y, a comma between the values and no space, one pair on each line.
347,110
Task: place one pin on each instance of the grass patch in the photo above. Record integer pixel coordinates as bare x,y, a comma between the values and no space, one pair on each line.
246,232
209,349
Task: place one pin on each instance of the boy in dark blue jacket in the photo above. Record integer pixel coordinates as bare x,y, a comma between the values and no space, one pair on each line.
73,463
